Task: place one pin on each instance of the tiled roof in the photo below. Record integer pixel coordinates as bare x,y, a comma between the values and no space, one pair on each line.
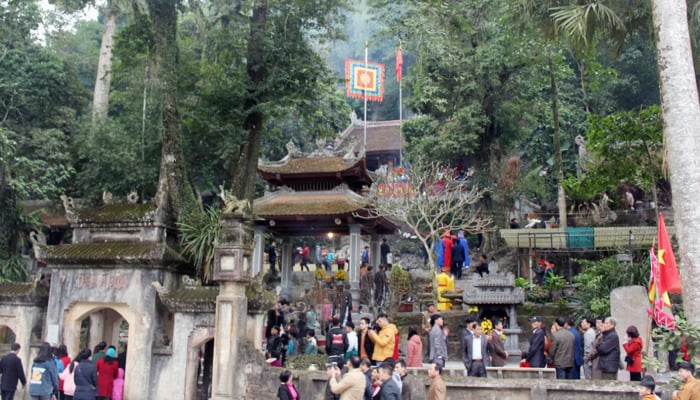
315,165
15,290
308,203
192,299
117,213
110,253
382,136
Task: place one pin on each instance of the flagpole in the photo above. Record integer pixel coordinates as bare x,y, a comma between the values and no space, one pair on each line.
400,114
365,92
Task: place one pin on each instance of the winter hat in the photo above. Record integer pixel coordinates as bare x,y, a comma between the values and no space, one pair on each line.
111,353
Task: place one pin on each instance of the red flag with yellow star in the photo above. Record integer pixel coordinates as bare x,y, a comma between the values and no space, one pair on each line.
659,307
669,278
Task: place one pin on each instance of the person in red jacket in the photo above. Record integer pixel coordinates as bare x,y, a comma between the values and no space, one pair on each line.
62,354
633,347
447,245
107,371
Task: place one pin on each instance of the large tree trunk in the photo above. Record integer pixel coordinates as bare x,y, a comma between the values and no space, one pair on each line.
244,169
174,192
681,114
561,195
100,96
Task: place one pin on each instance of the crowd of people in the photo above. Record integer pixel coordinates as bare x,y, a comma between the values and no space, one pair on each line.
362,379
590,349
97,375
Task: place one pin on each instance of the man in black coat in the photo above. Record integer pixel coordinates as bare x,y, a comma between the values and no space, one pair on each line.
12,372
336,342
535,353
609,350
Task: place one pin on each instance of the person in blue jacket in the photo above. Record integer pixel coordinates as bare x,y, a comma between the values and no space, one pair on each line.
43,380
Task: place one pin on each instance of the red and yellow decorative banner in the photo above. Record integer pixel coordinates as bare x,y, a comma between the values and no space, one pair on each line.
361,81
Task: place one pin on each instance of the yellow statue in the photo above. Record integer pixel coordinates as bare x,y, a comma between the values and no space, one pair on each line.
445,283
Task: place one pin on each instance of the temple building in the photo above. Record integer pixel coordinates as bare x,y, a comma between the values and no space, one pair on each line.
320,195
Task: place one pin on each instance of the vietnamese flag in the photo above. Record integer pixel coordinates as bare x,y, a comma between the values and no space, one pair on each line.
399,64
669,278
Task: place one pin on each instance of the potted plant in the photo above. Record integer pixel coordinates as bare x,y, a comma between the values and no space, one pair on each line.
555,283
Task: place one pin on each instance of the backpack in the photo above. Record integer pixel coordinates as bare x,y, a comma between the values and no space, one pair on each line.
59,364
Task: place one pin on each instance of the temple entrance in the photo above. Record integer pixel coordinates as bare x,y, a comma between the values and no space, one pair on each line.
86,324
204,372
107,326
200,361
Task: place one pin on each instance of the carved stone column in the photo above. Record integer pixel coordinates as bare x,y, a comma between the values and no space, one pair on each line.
258,249
287,266
354,265
233,271
374,252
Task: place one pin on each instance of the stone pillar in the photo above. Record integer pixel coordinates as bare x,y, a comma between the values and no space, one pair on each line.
287,266
233,271
97,327
255,327
374,251
354,265
231,311
258,249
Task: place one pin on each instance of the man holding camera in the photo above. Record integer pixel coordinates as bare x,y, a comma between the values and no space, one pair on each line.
385,340
352,385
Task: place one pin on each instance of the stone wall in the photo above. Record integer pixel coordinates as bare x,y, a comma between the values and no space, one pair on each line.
263,383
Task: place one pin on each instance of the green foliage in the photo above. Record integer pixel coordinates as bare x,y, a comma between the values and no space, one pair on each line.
582,189
399,287
198,235
43,167
627,146
116,159
598,279
13,269
538,294
554,282
522,282
40,101
686,333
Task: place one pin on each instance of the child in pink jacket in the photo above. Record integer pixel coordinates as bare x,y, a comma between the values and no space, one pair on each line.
118,388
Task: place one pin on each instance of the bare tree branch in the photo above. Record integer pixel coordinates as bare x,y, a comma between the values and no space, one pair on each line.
427,200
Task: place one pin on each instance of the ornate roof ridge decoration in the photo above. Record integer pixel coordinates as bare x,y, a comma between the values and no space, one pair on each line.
345,151
130,213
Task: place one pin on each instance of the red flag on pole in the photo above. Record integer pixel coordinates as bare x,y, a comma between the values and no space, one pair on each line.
669,279
659,307
399,64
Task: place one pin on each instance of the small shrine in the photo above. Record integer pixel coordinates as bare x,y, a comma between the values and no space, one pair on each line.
497,297
320,194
